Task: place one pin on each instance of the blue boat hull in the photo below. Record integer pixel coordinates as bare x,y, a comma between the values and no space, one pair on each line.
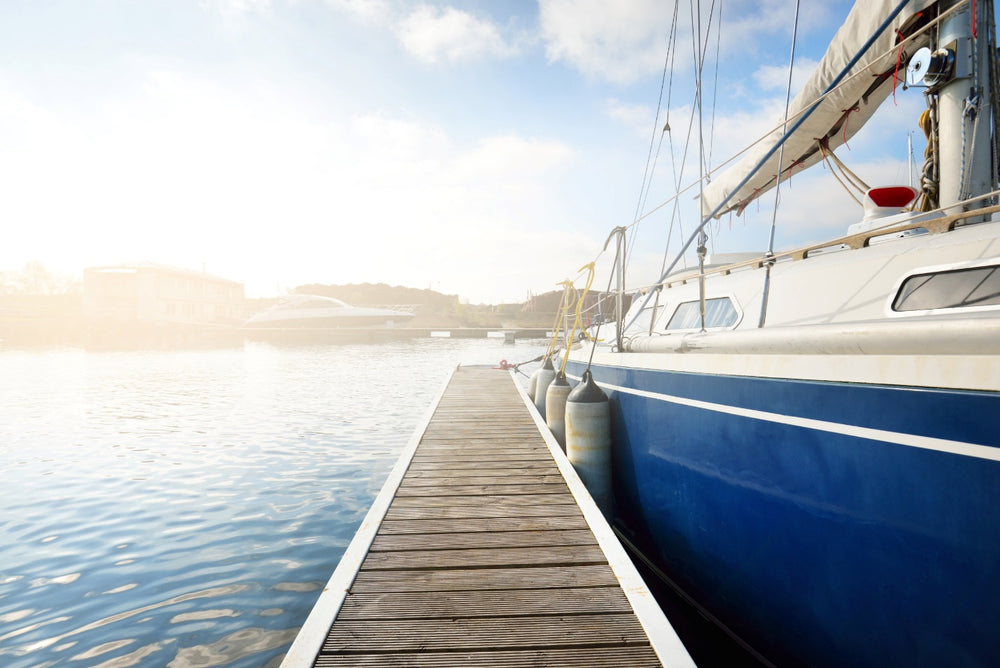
823,523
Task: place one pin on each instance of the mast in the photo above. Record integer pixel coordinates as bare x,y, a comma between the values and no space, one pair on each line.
964,111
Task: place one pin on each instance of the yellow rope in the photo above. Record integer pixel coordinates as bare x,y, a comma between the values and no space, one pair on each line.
564,306
928,194
577,323
590,266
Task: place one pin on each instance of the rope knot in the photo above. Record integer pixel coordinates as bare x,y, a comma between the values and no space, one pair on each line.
971,106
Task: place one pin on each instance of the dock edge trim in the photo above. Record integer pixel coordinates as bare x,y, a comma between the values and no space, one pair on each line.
309,640
662,636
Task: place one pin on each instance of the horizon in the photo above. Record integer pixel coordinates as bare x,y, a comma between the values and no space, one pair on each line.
35,280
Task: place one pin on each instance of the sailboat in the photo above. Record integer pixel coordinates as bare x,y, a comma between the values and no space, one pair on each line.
806,444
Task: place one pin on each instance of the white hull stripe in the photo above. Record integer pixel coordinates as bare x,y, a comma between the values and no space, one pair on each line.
898,438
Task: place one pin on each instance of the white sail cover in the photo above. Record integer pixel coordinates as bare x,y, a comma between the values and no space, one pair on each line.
842,113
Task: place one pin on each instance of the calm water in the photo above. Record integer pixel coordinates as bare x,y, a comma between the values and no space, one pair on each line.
185,508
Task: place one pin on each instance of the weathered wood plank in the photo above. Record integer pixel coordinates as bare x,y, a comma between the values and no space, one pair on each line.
399,510
473,434
589,657
421,479
486,524
592,575
454,500
465,604
478,634
496,489
497,459
481,451
480,539
446,464
474,476
485,558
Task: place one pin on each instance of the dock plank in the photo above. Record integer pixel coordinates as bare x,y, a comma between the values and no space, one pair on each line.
590,657
485,603
404,511
471,476
479,539
410,635
459,579
425,500
483,558
495,489
486,524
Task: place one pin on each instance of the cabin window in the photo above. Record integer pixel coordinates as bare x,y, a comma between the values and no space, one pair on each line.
643,321
719,313
977,286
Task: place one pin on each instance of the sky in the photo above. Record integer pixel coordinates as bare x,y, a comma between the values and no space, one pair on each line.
479,148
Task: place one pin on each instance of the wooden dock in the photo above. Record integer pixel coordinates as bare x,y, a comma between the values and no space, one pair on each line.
483,549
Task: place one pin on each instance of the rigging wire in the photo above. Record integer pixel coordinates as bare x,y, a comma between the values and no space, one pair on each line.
994,78
702,237
715,84
647,176
668,64
777,186
715,89
611,277
781,151
679,178
706,155
698,54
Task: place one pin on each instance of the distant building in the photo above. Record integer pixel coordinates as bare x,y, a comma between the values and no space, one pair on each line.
153,294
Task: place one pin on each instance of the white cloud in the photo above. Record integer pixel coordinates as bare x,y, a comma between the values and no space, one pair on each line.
611,40
750,27
230,9
637,117
513,158
624,41
368,12
433,34
775,77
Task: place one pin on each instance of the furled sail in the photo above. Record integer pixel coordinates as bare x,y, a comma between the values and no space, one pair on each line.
841,113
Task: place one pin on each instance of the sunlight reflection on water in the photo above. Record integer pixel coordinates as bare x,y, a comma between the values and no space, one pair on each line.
185,508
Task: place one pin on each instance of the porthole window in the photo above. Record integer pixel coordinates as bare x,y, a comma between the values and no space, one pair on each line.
720,313
958,288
